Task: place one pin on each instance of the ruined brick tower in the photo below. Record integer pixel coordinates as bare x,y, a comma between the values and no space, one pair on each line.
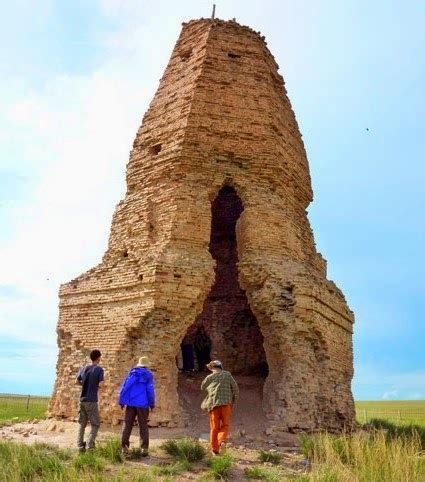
213,234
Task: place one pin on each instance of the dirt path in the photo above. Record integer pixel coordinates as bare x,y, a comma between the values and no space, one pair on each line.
247,418
247,425
243,450
64,433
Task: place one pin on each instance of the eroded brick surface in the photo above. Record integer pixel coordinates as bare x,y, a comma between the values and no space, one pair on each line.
220,117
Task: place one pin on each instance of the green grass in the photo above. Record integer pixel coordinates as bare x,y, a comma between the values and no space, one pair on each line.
256,473
148,477
23,462
90,462
221,467
185,449
400,412
383,452
365,457
388,449
270,474
14,408
270,457
110,449
45,462
171,469
394,431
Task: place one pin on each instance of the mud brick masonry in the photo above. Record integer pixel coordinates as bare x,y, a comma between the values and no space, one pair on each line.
213,232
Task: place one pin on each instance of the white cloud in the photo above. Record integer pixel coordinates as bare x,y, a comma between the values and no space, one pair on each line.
387,383
417,396
18,364
391,395
75,134
72,135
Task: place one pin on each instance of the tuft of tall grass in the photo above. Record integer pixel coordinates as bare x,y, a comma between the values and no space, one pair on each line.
256,473
48,463
365,457
134,453
270,457
270,474
110,449
185,449
89,461
221,466
24,462
396,431
146,477
171,470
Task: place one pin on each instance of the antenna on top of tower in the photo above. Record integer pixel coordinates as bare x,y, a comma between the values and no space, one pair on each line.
213,12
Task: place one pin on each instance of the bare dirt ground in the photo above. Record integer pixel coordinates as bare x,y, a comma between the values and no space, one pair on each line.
247,425
247,435
247,415
63,433
244,450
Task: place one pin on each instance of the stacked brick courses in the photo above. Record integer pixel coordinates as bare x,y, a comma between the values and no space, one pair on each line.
220,117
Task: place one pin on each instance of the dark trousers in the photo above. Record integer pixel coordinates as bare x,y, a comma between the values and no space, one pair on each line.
142,415
188,357
203,356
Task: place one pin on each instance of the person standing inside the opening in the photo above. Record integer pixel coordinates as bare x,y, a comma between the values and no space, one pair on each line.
202,347
188,354
222,393
137,395
90,377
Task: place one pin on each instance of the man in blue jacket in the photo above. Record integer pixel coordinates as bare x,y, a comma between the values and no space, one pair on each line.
137,395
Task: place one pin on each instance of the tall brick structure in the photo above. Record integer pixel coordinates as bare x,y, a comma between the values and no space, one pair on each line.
213,233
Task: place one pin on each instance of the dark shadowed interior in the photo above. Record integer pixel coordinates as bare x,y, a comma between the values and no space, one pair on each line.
226,329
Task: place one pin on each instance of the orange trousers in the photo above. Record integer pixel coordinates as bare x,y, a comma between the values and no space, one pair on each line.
219,425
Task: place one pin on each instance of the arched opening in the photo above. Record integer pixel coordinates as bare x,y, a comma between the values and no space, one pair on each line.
227,328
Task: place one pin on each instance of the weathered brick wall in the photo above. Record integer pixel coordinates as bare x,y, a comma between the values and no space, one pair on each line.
220,117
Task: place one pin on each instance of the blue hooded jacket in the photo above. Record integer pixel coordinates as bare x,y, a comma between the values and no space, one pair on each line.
138,390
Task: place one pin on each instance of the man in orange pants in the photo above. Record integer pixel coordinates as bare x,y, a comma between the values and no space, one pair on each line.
222,393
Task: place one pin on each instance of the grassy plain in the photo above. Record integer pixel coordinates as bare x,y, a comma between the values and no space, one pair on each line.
389,455
14,408
390,448
397,411
363,457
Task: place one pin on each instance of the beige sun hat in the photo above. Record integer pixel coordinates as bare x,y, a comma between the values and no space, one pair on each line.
144,362
215,364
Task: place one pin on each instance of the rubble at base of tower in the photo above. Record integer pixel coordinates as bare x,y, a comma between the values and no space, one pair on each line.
220,119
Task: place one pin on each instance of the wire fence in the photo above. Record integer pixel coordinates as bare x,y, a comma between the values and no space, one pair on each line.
30,404
405,415
23,403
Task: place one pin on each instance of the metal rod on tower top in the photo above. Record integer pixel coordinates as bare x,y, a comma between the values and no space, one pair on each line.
213,12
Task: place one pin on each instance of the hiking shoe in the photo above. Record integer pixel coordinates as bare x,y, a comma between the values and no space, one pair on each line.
145,452
124,452
82,448
223,448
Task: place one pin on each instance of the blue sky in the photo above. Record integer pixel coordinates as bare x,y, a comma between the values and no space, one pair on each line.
75,80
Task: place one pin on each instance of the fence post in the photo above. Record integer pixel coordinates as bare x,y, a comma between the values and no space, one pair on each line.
28,402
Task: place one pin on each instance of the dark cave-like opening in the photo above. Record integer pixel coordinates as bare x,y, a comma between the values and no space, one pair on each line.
226,329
